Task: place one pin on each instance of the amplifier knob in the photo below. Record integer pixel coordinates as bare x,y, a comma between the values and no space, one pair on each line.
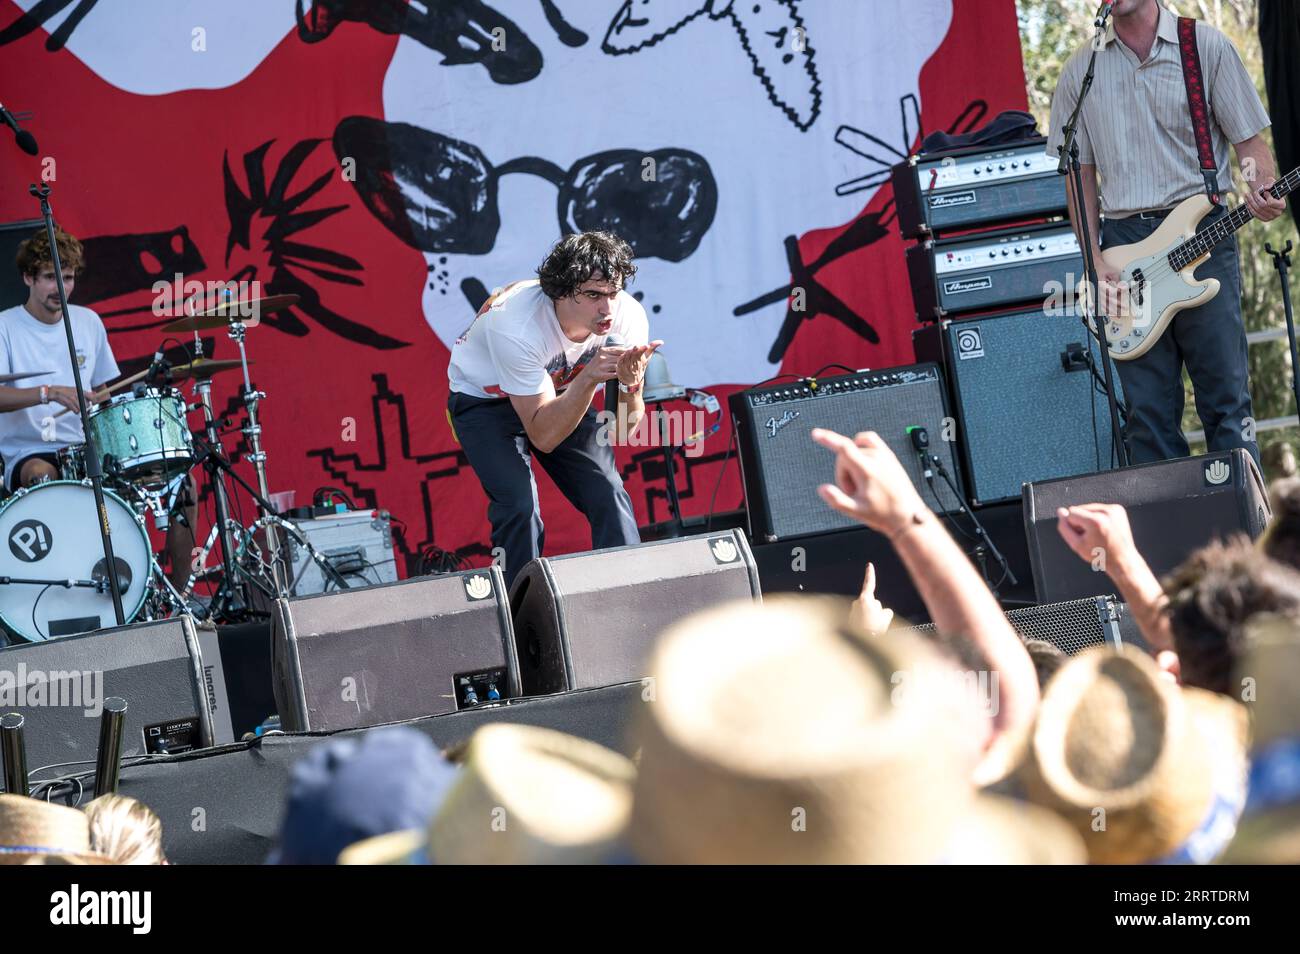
989,168
1014,165
1005,253
977,170
1017,250
1002,166
1043,246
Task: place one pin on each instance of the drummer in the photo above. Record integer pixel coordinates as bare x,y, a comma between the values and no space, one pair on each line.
32,339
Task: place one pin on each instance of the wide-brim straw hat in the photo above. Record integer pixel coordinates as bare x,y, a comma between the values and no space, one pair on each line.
776,733
525,795
1129,759
1268,673
37,832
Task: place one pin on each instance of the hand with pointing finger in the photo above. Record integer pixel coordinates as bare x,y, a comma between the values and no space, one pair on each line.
867,612
870,486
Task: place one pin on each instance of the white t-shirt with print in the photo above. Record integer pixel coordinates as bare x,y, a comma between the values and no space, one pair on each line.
514,346
27,344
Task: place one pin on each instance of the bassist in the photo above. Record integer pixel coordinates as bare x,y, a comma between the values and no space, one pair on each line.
1139,155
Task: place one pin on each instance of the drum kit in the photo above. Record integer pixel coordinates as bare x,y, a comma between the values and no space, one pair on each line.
149,454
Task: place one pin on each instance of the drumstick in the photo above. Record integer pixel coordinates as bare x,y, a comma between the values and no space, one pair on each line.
113,387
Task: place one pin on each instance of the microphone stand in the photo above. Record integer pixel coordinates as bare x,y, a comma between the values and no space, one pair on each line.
934,461
1282,261
94,463
1069,151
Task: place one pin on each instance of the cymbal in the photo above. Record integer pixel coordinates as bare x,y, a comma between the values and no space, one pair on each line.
220,316
10,378
203,368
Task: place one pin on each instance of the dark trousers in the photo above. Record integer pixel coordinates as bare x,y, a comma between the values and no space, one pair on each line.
494,440
1210,340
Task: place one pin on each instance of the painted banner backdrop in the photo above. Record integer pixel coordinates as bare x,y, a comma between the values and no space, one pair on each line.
391,163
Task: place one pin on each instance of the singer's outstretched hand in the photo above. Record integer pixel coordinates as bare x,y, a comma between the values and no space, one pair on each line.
870,486
632,365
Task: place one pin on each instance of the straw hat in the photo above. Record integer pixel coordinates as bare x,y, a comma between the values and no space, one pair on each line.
1269,831
525,795
37,832
1135,764
776,734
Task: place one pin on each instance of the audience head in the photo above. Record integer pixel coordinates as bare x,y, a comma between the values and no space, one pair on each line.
1047,659
1281,539
35,832
1212,595
777,732
1142,769
126,830
1268,673
525,795
357,786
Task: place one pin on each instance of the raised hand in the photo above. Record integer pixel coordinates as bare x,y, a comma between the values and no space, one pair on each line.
870,486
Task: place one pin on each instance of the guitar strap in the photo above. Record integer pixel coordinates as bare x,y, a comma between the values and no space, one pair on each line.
1200,110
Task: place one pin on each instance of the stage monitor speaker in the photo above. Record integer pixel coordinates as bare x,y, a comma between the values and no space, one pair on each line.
169,674
376,654
1075,625
781,467
589,619
1174,507
1024,398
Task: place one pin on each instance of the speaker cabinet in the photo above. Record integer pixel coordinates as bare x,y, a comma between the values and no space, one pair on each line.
590,619
169,674
1075,625
1023,396
398,651
1174,507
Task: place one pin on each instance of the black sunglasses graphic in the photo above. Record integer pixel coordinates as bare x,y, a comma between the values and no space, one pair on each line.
439,194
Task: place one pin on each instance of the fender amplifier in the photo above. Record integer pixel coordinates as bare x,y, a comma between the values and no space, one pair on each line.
993,269
977,186
781,467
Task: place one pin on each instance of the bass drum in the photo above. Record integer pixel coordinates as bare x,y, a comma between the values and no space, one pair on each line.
50,532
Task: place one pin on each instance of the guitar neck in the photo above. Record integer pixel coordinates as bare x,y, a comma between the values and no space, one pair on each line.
1204,241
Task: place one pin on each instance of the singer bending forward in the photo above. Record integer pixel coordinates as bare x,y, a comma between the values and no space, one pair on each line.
522,381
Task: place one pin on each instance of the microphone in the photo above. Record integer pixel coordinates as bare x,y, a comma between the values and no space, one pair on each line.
1103,14
26,141
160,364
612,340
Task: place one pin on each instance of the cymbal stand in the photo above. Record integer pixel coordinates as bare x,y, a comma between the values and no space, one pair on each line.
253,431
232,595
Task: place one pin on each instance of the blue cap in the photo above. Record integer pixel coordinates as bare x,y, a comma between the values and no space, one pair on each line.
347,789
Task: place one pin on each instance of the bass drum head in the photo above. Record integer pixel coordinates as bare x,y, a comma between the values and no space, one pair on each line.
51,532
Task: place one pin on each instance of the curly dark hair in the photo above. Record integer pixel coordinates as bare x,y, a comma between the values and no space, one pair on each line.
1281,539
34,253
1212,595
576,259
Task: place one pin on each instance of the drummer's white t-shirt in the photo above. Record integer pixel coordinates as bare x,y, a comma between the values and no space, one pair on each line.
27,344
514,345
